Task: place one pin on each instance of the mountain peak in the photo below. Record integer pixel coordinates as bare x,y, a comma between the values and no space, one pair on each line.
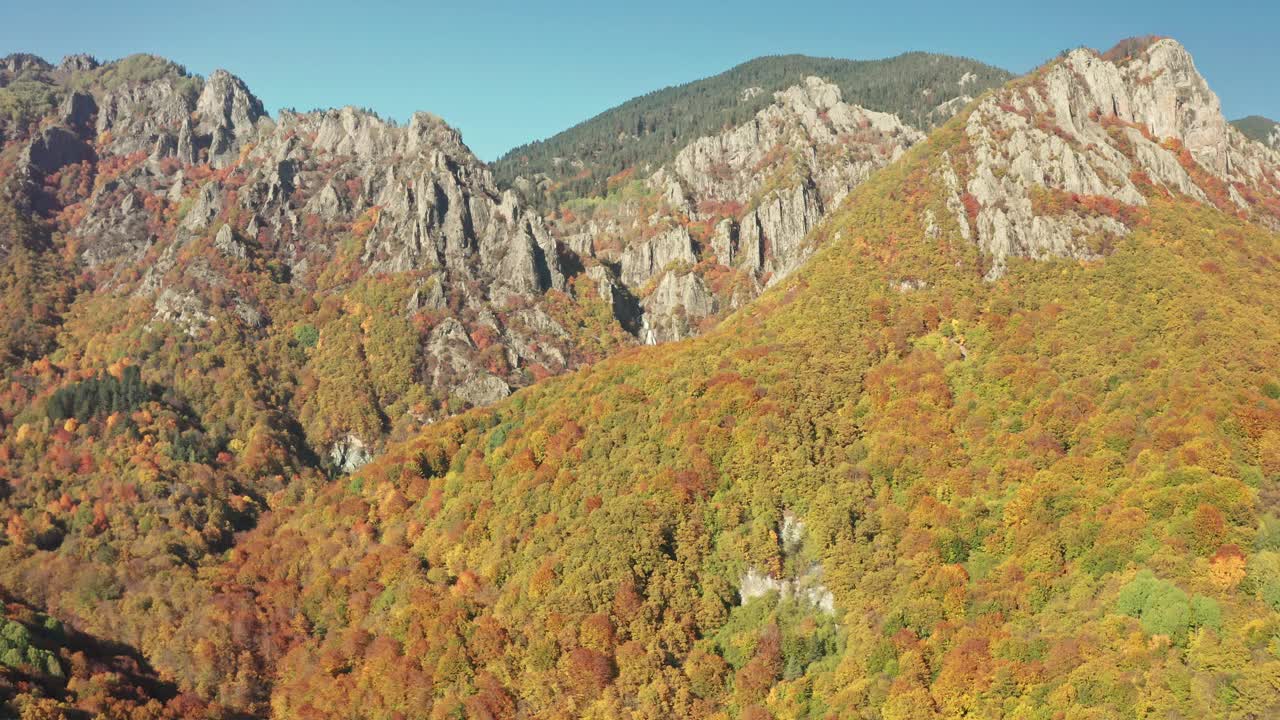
1090,126
1157,87
1259,128
922,89
19,62
228,112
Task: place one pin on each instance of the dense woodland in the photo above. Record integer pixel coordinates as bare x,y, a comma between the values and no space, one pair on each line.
649,130
887,489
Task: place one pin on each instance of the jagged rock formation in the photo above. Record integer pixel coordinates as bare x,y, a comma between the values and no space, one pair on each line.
146,166
736,207
1056,164
645,133
730,214
796,159
349,454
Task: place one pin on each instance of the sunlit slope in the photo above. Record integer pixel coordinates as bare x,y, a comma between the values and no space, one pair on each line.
1055,492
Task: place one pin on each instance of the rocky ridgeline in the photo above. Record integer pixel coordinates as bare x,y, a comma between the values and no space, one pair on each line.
1262,129
145,173
731,213
1056,163
174,189
429,204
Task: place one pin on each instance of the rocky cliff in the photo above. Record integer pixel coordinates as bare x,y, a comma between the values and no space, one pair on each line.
731,213
1061,162
183,194
646,132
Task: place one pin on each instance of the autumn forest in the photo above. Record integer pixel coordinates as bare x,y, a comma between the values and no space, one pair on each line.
318,416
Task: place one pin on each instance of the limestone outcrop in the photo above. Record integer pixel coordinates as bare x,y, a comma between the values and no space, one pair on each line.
738,204
1057,163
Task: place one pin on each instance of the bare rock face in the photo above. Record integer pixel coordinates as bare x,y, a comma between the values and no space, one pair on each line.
55,148
228,115
117,223
349,454
184,309
793,161
673,308
803,586
78,62
134,115
742,201
205,206
1057,164
227,242
429,204
78,110
804,127
420,201
16,63
647,258
453,354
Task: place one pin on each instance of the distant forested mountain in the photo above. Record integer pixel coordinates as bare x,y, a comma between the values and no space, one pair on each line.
1264,130
648,130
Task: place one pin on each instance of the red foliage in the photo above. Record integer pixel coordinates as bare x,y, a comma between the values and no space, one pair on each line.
1130,48
616,181
971,207
759,674
588,671
1208,527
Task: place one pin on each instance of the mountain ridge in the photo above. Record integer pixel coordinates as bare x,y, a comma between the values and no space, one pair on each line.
1009,458
1259,128
737,94
1021,391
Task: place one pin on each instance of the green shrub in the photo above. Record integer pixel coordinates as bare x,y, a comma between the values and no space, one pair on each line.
1163,608
306,335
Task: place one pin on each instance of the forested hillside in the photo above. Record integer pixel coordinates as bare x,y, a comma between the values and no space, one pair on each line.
970,498
1006,445
1264,130
895,486
648,131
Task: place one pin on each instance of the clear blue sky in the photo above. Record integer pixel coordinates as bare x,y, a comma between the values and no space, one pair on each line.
509,72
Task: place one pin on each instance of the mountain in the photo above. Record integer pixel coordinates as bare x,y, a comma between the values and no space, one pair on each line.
317,242
1007,442
1264,130
922,89
678,247
730,214
209,311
